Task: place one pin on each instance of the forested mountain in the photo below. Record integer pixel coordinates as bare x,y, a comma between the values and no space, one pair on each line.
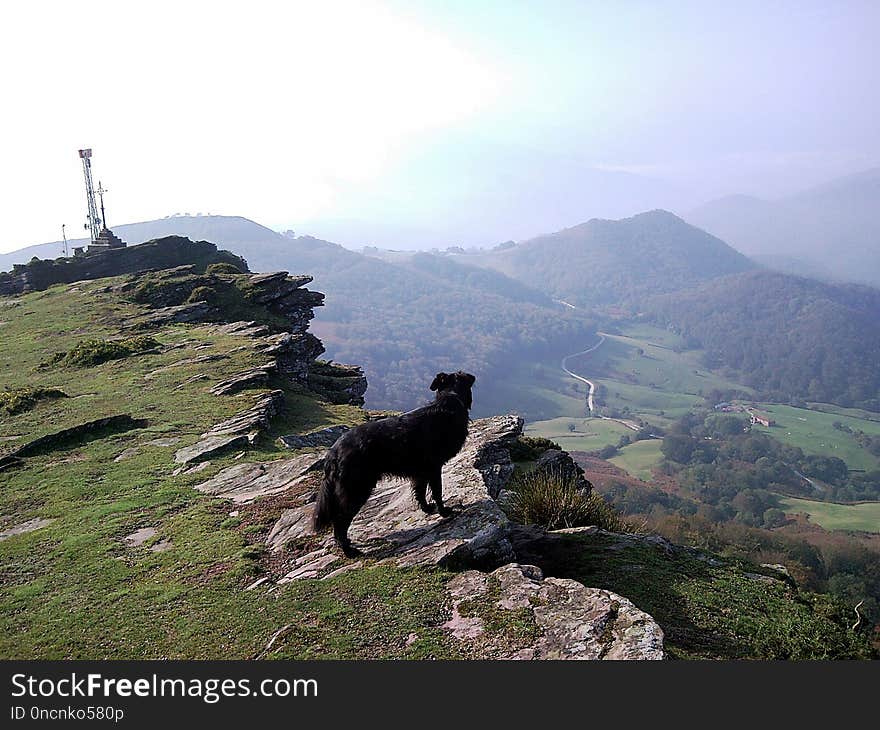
785,335
831,230
604,262
404,322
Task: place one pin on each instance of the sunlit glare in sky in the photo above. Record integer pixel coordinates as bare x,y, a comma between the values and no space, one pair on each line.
411,113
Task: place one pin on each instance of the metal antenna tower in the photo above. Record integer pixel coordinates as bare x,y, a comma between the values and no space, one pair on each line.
93,222
100,191
64,236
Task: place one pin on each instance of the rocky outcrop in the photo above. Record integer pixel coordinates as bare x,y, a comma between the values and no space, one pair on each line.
564,618
390,527
244,483
237,432
338,383
560,462
325,438
75,434
254,378
177,314
567,619
161,253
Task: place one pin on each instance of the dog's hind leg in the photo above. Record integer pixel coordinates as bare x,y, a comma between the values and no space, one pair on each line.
420,488
436,482
352,496
341,523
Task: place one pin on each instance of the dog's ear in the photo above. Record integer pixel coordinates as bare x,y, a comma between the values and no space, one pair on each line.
440,381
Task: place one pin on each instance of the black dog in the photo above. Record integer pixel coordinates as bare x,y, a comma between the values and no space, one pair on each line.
415,445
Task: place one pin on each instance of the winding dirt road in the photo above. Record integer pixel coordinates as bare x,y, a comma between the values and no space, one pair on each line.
589,383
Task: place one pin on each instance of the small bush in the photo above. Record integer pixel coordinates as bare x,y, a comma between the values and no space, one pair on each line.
94,352
202,294
554,501
223,268
608,452
529,448
23,399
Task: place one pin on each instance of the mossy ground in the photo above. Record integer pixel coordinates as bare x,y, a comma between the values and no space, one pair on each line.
708,607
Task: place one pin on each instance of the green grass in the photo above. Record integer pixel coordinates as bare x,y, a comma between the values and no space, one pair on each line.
590,434
709,608
862,517
639,458
75,589
813,432
555,501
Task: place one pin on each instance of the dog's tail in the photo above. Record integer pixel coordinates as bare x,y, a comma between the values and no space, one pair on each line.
325,503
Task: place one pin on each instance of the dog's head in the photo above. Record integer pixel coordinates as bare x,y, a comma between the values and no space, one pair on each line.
459,383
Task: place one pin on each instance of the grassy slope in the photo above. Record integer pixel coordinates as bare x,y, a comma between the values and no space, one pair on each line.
659,383
813,432
76,589
639,458
864,517
590,434
709,609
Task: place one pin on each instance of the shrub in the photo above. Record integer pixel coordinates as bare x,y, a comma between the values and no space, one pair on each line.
554,501
23,399
608,452
94,352
223,268
202,294
529,448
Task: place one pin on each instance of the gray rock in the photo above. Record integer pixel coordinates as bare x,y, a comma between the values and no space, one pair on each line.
245,482
326,437
243,329
209,446
571,620
255,418
24,527
249,379
391,527
560,462
237,432
192,312
139,537
127,454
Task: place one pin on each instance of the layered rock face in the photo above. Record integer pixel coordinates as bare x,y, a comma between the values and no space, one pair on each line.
567,619
162,253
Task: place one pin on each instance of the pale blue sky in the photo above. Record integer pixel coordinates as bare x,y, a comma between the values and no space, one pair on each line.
450,121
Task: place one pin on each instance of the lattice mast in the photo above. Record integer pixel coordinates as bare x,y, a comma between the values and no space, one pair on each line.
94,223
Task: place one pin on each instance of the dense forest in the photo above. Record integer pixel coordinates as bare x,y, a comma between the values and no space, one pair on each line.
606,262
786,336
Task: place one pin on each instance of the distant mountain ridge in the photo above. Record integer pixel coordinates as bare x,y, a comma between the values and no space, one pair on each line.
604,262
831,230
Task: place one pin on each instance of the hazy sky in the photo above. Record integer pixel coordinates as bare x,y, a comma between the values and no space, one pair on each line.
400,112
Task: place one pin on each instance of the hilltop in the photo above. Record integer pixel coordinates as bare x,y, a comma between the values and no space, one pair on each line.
605,262
161,436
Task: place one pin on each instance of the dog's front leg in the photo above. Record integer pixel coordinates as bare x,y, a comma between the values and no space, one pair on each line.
436,482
